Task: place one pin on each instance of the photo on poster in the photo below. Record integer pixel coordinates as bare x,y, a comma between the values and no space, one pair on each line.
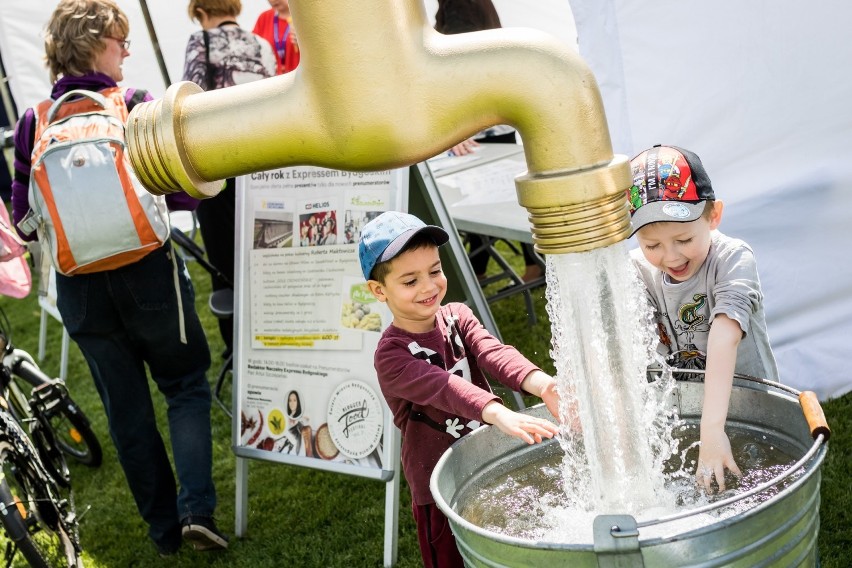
273,224
318,223
360,310
360,207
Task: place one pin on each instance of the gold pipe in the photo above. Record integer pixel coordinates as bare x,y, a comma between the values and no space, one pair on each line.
378,88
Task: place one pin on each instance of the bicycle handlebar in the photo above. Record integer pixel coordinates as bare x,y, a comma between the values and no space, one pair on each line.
21,364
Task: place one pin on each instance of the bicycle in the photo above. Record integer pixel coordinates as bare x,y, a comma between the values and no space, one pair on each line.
58,417
36,504
38,519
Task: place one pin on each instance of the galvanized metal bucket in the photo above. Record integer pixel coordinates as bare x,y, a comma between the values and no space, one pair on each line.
780,531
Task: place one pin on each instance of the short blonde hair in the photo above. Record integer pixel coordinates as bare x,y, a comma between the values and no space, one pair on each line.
74,35
214,8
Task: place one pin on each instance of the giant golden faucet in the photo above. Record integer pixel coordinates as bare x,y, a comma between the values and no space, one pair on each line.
378,88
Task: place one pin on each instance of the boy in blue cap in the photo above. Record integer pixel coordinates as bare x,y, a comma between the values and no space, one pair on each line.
704,289
431,362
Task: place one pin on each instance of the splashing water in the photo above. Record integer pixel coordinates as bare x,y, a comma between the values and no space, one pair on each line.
603,341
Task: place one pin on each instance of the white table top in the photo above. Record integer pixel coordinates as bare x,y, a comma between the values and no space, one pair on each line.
479,190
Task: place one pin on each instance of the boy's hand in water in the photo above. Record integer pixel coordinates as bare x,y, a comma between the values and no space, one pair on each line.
714,455
530,429
542,385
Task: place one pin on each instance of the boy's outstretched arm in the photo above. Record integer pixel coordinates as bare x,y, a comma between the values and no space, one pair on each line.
528,428
714,452
542,385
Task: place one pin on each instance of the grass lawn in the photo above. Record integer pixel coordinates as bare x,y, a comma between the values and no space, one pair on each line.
302,517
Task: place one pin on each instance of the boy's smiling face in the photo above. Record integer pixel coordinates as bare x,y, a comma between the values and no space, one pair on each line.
679,249
413,289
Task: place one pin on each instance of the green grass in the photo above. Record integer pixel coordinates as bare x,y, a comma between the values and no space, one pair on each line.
306,518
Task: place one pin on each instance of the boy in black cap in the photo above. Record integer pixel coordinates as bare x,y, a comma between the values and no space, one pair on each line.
430,365
704,289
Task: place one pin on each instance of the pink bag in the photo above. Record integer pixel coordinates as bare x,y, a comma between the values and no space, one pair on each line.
15,278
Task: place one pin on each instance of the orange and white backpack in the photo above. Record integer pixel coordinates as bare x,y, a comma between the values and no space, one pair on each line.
86,204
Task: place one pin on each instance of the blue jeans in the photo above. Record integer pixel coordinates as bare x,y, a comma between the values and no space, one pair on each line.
126,318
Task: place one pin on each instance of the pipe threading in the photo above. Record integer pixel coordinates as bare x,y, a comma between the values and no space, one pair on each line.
157,147
579,210
580,228
147,155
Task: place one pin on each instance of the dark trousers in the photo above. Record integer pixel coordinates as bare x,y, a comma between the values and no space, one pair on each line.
123,320
437,542
217,221
479,261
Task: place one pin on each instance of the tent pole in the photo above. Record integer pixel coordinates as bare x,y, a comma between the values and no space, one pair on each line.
152,33
7,96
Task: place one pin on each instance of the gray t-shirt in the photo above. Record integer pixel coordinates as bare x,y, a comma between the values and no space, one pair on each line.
727,283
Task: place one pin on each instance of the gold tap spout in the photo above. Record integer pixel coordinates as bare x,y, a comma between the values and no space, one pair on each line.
378,88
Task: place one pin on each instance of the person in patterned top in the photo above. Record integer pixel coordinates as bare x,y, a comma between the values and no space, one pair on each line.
220,55
432,362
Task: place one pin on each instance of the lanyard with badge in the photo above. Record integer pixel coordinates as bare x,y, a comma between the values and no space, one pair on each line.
280,46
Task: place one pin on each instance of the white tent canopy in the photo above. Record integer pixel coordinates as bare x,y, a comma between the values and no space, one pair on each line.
21,25
757,89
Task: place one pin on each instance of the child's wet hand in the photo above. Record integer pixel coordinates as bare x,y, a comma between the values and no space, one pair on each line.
714,456
550,397
530,429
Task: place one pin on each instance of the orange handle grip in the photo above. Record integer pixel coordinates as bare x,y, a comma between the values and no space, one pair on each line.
814,415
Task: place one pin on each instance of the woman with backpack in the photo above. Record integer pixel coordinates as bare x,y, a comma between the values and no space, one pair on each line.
140,313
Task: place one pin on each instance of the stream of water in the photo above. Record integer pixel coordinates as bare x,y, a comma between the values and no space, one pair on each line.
603,340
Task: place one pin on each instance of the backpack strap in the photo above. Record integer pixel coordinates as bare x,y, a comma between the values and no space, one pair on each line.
97,98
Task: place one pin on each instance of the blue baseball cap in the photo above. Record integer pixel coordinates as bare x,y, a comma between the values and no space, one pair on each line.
385,236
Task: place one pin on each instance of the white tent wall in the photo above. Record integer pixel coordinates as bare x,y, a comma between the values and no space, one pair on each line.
757,89
760,91
22,47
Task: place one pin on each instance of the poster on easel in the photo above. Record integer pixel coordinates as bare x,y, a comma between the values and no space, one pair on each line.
305,390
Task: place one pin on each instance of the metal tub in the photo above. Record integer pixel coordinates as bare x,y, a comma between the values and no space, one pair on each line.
780,531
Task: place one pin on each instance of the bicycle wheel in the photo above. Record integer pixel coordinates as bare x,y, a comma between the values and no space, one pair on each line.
70,425
33,520
74,434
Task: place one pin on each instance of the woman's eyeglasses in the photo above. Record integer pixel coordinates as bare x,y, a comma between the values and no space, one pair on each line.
124,43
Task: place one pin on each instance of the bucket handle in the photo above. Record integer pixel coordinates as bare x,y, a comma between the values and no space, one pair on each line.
814,415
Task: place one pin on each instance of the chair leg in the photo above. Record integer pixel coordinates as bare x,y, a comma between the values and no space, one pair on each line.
227,367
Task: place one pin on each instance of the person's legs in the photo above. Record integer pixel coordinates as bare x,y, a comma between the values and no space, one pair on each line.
178,357
533,269
175,347
216,219
437,542
93,321
478,261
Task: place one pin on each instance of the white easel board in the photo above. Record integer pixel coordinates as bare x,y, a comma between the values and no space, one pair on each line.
305,390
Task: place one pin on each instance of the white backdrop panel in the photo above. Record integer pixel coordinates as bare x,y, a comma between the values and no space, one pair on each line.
758,90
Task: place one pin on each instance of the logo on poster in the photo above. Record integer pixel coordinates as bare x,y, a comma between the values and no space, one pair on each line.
355,419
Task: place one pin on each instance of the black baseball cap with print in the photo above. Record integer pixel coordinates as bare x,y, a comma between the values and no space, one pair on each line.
669,184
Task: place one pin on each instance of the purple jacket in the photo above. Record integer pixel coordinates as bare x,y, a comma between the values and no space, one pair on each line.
25,139
435,387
